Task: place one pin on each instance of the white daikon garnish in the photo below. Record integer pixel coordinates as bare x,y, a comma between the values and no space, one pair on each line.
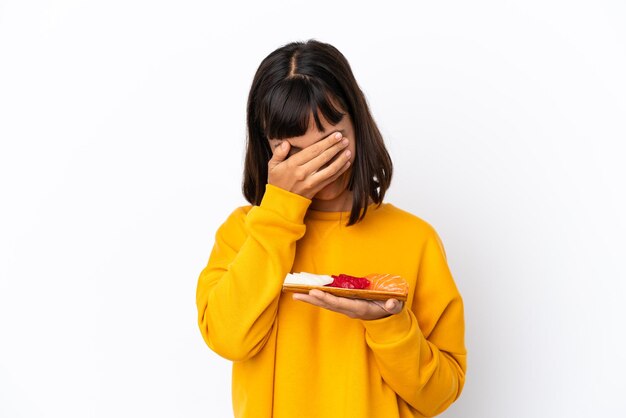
308,279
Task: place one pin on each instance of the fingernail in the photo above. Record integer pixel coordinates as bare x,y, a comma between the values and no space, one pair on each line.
338,135
345,141
283,145
348,153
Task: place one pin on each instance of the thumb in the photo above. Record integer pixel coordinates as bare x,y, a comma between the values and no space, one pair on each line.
393,306
280,153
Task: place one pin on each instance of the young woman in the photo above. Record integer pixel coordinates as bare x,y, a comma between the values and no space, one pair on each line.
316,172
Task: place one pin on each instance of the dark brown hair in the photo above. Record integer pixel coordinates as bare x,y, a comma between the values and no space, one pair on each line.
294,81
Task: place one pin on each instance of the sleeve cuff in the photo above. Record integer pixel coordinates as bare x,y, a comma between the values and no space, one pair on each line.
290,206
389,329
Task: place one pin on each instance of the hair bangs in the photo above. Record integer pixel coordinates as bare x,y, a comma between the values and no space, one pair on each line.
286,112
323,102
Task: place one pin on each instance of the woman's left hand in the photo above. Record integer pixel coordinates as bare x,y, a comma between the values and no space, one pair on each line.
354,308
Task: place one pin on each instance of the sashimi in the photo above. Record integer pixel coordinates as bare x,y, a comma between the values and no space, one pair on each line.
388,283
350,282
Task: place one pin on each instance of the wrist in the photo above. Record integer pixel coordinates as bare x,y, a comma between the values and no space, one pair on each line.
289,205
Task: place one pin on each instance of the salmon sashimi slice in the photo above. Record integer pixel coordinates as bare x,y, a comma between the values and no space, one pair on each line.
388,283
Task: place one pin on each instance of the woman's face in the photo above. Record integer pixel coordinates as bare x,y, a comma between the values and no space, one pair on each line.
335,196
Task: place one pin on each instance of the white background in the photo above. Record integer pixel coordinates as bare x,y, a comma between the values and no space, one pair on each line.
122,127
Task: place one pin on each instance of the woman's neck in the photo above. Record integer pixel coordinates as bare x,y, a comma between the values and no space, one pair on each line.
342,203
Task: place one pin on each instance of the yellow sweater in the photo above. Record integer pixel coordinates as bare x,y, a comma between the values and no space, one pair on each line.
295,360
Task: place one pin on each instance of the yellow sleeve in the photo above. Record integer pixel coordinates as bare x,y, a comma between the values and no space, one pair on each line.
238,291
421,351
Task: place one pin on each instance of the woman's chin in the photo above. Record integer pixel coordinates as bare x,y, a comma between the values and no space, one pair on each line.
332,199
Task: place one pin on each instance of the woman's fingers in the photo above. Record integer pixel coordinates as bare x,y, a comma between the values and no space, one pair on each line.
393,306
320,151
325,158
319,186
311,169
280,154
331,173
329,165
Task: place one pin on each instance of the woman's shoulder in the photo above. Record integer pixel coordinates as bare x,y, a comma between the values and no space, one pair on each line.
405,220
235,220
239,213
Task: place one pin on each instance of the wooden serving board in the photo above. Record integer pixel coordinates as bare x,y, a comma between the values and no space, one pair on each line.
347,293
